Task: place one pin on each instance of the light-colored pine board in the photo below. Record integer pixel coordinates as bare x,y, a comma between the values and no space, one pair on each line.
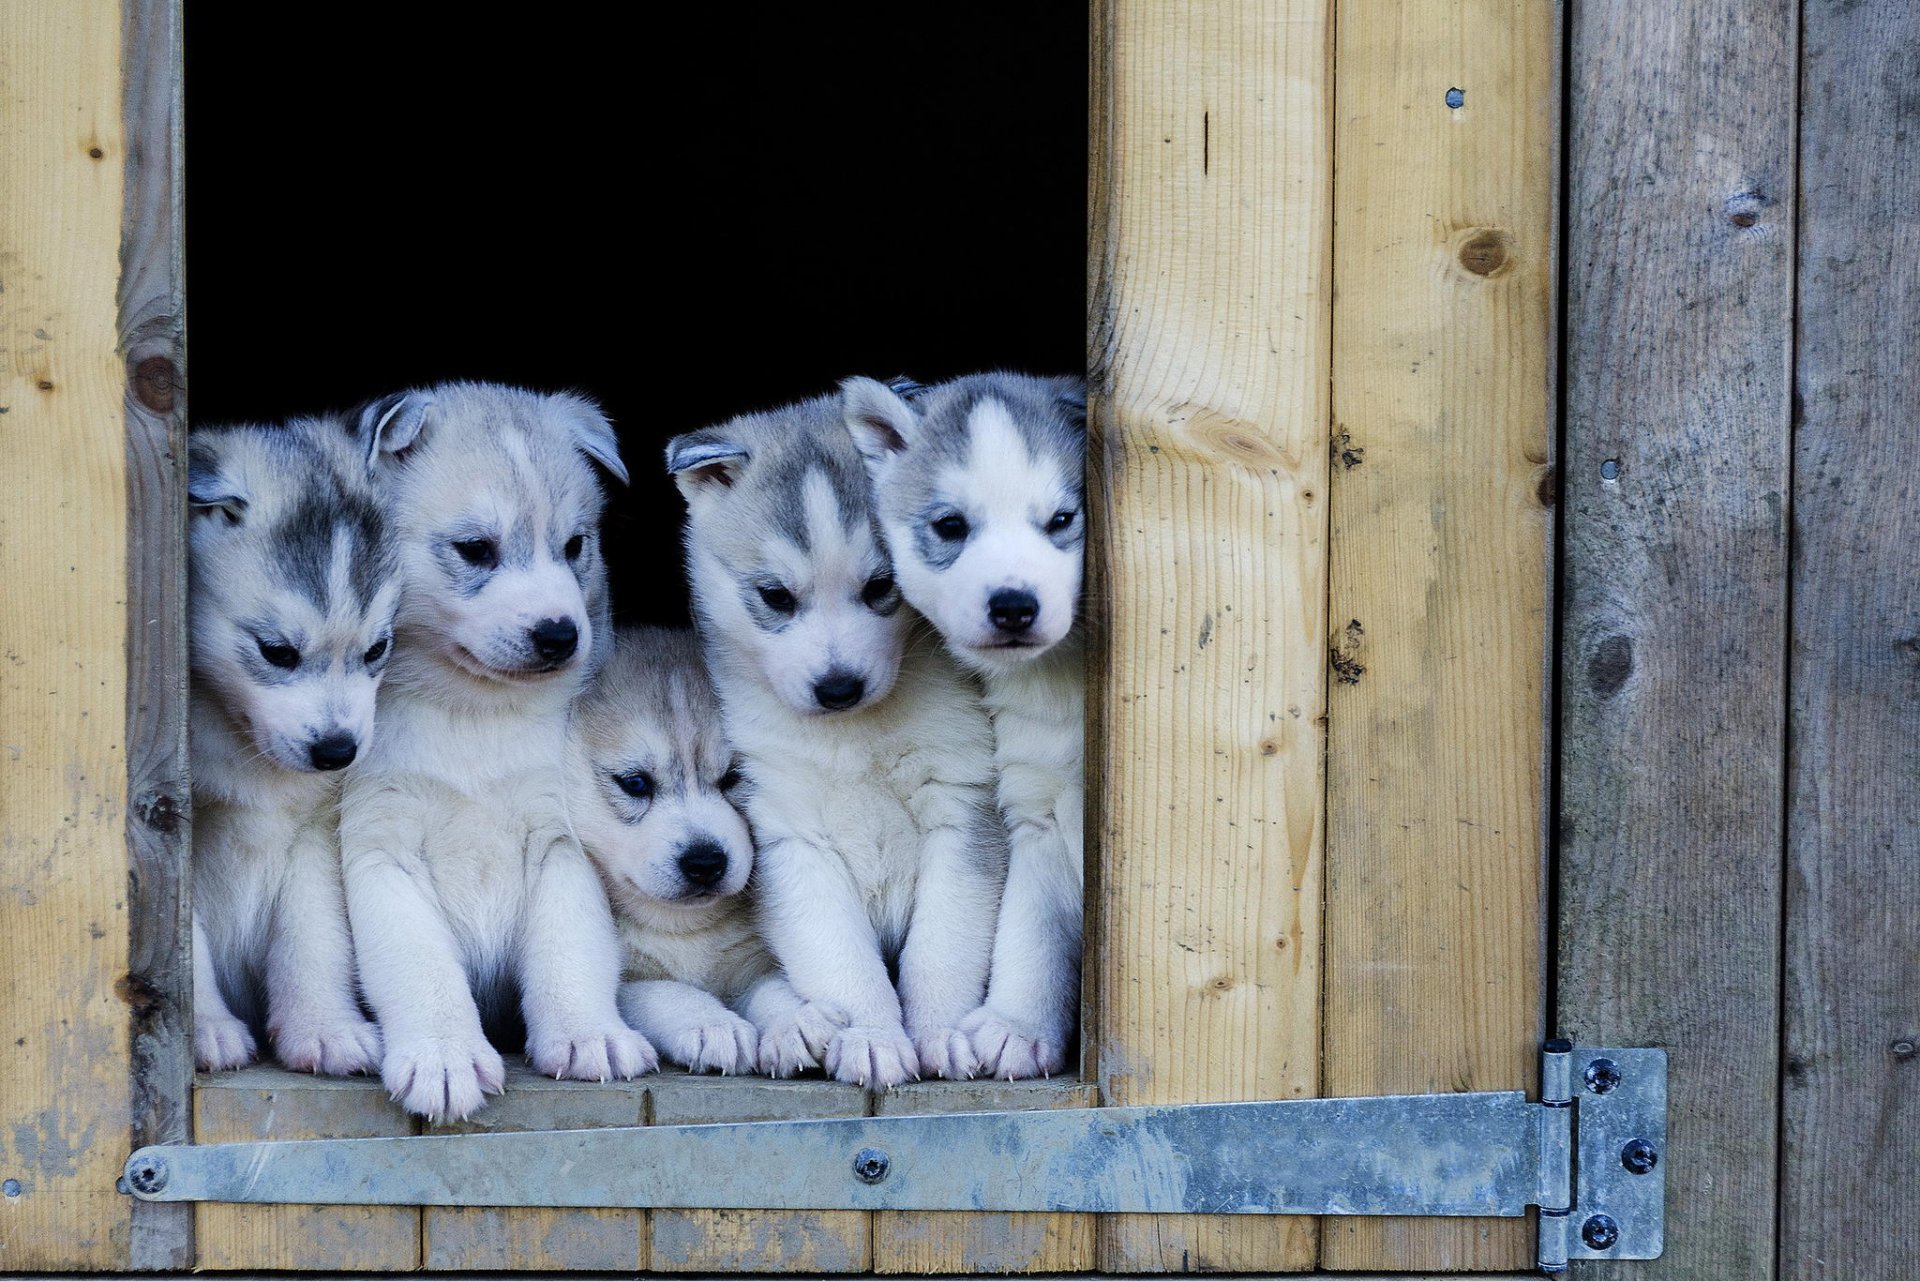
1211,156
66,1056
265,1103
1443,399
1850,1177
721,1241
1679,323
932,1244
504,1239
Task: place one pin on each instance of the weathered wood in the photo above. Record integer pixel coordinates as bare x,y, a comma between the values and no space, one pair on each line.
719,1241
500,1239
66,1059
1850,1175
266,1103
1210,171
929,1244
1443,397
1679,293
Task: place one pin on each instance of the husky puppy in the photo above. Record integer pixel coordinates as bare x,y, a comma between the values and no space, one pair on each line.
979,485
293,590
465,882
869,750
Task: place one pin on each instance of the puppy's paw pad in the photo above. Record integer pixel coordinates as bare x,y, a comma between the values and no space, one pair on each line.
1013,1049
878,1057
728,1045
946,1052
443,1080
221,1043
605,1054
338,1047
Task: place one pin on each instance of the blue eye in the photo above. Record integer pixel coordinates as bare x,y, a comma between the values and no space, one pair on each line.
638,785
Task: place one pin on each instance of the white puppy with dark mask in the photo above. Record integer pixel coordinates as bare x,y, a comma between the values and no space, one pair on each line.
294,586
868,748
979,484
465,882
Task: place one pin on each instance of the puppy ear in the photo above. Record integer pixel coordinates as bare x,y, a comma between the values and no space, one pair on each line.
391,425
1072,394
208,488
880,422
592,432
704,459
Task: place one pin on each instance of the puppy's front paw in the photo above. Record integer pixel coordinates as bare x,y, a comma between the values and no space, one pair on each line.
337,1046
598,1054
443,1079
797,1040
221,1042
1013,1049
946,1051
726,1044
880,1057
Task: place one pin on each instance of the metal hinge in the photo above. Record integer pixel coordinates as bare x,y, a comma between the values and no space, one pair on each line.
1589,1156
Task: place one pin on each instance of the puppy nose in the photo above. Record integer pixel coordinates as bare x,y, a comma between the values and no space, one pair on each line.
837,691
703,864
1011,611
554,639
335,751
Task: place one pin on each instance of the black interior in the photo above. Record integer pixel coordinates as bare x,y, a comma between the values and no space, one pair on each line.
685,218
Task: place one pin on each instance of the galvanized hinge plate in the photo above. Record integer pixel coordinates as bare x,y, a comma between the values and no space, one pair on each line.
1573,1155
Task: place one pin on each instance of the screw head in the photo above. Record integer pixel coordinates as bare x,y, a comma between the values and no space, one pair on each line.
10,1188
1639,1157
870,1165
1600,1233
1602,1075
148,1177
1456,98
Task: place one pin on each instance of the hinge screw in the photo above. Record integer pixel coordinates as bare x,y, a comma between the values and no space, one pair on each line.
870,1165
1639,1157
148,1177
1602,1075
1600,1233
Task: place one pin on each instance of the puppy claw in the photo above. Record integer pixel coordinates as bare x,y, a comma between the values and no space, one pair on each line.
946,1052
443,1080
729,1046
221,1043
338,1047
880,1058
797,1041
1014,1049
602,1055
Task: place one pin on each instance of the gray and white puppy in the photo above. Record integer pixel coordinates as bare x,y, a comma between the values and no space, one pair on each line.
465,881
293,590
980,486
868,747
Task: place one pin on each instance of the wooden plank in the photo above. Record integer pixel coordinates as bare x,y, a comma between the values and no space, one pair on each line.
502,1240
66,1057
1850,1178
1441,540
932,1244
1679,320
1208,355
153,347
267,1103
721,1241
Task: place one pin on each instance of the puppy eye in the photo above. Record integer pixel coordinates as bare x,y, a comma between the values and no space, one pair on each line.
730,779
478,552
1061,520
280,655
878,588
575,546
951,527
375,652
778,599
638,785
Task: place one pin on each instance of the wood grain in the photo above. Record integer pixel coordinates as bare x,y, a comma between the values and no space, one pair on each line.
1211,168
1441,540
67,1057
1679,322
1851,1111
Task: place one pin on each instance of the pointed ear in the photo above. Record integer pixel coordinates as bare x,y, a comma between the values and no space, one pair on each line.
208,489
704,459
1072,395
592,433
386,428
880,422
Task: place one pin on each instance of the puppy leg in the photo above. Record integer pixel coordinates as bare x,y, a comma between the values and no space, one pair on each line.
816,923
943,966
569,960
1023,1029
691,1027
794,1033
220,1039
313,1016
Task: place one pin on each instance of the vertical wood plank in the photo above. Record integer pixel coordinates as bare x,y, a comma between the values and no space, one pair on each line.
1443,397
265,1103
1851,1171
719,1241
1211,171
1679,296
506,1239
943,1243
66,1058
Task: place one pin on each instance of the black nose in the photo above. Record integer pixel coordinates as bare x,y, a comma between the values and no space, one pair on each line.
703,864
839,690
555,639
335,751
1012,612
